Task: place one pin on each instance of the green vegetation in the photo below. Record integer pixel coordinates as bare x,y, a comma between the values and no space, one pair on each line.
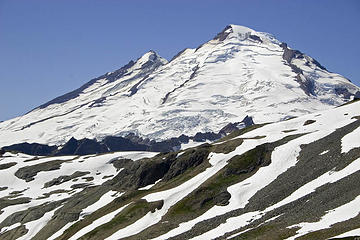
213,191
227,147
130,214
129,197
186,166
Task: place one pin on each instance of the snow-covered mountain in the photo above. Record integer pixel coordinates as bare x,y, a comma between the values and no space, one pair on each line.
238,73
294,179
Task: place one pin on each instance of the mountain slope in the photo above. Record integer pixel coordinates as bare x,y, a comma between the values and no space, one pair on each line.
238,73
285,180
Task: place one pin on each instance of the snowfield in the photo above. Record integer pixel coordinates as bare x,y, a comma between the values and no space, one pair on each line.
200,90
283,158
295,176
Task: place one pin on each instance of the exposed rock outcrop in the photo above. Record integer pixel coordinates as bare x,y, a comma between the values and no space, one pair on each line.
130,142
31,148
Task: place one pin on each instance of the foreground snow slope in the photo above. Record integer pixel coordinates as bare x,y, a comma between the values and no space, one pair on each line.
240,72
289,179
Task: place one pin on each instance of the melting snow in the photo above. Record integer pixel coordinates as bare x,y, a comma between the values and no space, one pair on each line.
352,233
98,222
350,141
340,214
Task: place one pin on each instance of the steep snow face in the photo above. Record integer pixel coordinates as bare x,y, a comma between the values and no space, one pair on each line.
240,72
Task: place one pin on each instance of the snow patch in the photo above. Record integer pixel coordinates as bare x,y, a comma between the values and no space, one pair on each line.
339,214
350,141
98,222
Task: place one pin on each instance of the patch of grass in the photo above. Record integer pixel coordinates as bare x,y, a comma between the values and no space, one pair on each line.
200,153
178,180
127,216
213,191
227,146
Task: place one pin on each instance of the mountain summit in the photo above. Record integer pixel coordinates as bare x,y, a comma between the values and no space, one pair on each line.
293,179
241,72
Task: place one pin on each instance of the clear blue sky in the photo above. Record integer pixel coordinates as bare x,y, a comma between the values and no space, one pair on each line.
48,48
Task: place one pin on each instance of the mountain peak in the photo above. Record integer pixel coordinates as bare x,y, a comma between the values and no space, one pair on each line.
222,81
237,31
149,58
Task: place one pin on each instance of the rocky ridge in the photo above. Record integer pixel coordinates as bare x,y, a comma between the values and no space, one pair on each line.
238,73
284,180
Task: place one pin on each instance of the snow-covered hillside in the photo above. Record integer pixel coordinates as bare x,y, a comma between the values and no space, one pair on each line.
240,72
284,180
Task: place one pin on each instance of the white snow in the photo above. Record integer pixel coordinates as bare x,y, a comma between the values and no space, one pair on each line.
103,201
149,186
235,77
350,141
324,152
201,104
98,167
171,197
5,229
179,154
230,225
352,233
329,177
339,214
35,226
191,144
283,157
239,233
98,222
61,231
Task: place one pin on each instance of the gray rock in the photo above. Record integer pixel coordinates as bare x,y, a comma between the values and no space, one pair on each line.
7,165
29,172
62,179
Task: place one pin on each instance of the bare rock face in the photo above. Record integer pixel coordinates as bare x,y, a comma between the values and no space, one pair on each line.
224,33
31,148
29,172
232,127
62,179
